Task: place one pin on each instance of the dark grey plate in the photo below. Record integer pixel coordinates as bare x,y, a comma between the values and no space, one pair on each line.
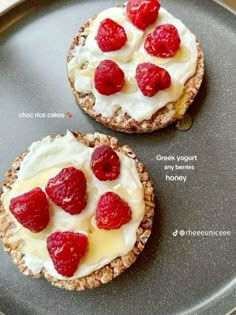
174,275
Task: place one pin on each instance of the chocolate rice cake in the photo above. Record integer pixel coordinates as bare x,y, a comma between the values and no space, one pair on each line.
121,121
116,266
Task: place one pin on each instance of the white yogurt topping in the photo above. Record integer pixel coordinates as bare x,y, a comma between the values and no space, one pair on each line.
45,159
130,99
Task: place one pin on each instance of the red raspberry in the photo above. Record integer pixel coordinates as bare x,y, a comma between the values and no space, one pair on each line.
163,42
31,209
151,78
65,250
112,211
68,190
142,13
110,36
108,77
105,163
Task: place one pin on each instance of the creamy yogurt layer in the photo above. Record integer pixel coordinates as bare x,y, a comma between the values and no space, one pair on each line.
47,158
130,99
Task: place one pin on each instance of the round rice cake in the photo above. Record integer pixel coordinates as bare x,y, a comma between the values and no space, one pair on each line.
101,263
129,110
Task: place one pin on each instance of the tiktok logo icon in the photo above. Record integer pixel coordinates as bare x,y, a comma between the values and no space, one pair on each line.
175,233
